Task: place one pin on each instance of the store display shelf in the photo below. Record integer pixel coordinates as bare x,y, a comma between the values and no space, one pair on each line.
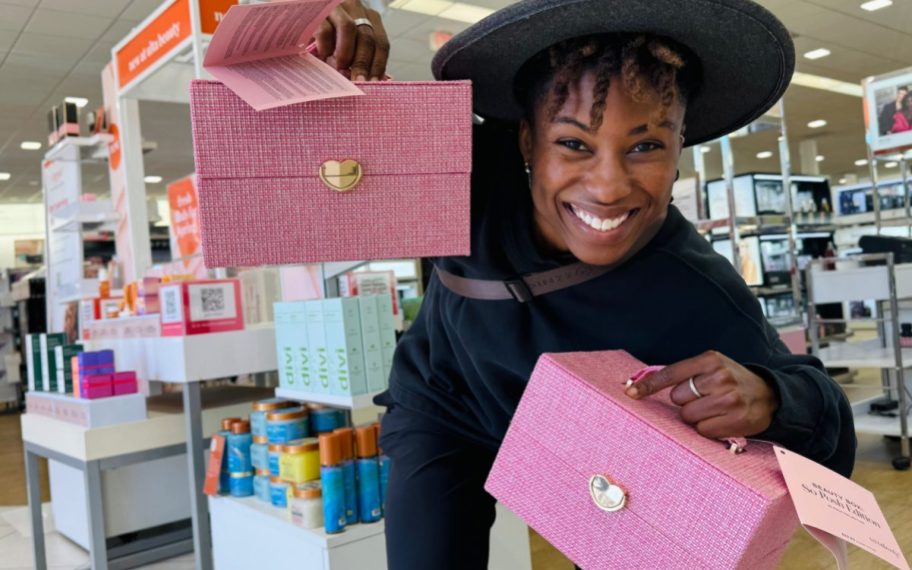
255,512
84,216
874,424
94,147
864,354
158,430
771,290
887,217
765,221
195,358
351,402
85,289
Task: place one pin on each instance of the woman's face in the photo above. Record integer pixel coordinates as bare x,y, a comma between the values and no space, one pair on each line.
602,194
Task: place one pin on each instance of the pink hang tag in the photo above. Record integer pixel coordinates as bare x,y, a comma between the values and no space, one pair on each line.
642,373
836,510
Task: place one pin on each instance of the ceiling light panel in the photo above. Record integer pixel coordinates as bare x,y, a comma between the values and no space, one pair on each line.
876,5
817,53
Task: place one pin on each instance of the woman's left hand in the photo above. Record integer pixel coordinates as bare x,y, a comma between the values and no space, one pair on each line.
733,402
346,45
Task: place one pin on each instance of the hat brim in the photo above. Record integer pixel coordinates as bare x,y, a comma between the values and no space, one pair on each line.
745,54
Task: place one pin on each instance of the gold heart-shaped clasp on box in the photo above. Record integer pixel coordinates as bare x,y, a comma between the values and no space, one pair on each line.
341,176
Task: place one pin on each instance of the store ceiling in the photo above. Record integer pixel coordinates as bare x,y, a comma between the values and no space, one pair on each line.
50,49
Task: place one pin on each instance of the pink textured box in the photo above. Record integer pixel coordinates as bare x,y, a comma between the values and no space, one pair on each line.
269,181
618,483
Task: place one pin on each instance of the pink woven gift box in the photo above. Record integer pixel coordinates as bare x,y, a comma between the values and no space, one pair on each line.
617,483
262,199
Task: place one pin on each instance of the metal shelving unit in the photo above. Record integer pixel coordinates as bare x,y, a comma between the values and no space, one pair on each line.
874,277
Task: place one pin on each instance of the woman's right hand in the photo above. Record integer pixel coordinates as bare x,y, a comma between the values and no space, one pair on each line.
361,48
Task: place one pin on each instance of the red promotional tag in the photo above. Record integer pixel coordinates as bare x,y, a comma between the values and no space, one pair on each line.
214,468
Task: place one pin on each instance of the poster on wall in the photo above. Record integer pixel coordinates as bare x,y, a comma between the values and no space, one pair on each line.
186,238
888,111
62,182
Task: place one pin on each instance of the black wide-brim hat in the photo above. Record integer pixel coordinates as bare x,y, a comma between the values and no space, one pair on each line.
745,55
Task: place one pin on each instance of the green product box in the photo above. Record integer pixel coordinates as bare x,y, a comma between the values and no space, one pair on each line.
286,352
63,357
316,340
342,325
303,376
377,379
49,342
387,331
33,361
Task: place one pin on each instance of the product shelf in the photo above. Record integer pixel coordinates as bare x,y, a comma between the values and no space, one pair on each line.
350,402
84,216
256,512
93,148
873,424
195,358
83,289
863,354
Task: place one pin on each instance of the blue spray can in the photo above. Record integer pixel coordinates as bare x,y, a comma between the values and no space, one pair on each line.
224,477
332,480
368,475
347,436
384,478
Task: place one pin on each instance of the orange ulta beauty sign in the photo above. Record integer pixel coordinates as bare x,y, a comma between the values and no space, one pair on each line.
182,198
212,12
155,41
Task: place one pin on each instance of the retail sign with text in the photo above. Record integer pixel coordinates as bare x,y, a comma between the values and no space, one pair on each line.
163,34
835,510
182,197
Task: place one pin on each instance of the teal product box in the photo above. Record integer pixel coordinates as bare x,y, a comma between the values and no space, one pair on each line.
316,339
286,352
342,324
33,361
49,342
63,357
377,378
387,332
299,339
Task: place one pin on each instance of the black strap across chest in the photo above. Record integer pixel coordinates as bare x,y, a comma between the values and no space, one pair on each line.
522,289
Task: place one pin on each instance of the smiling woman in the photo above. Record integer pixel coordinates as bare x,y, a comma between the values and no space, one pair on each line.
602,160
576,247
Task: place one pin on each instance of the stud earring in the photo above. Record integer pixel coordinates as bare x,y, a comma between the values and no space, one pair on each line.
528,173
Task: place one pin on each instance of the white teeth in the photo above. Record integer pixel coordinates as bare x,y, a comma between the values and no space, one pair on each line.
598,223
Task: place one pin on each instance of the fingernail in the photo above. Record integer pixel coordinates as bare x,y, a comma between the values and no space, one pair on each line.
633,392
359,77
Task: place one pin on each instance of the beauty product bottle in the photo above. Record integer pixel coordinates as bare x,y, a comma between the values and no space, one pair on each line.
237,448
224,479
384,470
347,436
333,483
368,475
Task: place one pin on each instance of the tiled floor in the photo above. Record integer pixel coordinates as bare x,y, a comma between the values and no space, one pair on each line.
16,546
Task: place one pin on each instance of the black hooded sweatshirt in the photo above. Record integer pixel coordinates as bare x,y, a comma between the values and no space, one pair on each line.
464,363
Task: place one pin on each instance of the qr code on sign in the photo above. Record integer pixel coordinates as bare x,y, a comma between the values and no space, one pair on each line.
213,300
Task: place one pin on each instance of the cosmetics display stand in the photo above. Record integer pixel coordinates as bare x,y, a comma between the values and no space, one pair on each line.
144,456
189,360
875,277
10,380
67,218
247,532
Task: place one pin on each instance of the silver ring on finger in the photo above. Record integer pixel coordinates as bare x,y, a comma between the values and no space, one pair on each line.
363,22
693,388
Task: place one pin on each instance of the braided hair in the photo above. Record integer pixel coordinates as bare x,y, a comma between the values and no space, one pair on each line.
649,67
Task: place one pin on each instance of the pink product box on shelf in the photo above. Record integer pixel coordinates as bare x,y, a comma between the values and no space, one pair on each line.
94,386
198,307
148,287
125,383
379,176
599,475
127,327
148,305
87,413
